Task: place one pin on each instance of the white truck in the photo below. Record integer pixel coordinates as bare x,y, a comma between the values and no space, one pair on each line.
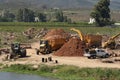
96,53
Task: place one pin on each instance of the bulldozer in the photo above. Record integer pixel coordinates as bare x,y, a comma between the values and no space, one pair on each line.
52,43
17,50
90,40
110,43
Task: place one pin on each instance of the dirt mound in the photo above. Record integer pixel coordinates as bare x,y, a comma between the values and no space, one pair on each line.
56,41
60,32
42,32
29,31
74,47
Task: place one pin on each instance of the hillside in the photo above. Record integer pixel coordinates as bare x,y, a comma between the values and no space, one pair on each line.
36,4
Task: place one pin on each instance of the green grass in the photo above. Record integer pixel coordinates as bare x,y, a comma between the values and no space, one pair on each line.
45,24
1,64
84,27
64,72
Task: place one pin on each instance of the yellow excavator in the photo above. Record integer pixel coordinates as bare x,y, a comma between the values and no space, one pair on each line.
96,40
79,33
110,43
90,40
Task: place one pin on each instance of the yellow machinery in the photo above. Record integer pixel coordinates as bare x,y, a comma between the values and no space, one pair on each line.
79,32
90,39
93,40
110,43
51,43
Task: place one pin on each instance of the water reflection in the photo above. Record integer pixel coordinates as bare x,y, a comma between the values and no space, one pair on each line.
15,76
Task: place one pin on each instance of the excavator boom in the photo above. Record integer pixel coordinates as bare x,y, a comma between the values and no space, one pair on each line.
79,32
113,37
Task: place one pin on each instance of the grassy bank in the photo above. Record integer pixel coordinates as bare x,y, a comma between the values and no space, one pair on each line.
64,72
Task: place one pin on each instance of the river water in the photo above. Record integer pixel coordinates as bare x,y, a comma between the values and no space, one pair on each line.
15,76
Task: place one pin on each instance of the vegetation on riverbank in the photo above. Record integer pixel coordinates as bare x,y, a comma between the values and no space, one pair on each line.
64,72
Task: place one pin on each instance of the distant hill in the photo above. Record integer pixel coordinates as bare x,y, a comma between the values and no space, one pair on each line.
14,4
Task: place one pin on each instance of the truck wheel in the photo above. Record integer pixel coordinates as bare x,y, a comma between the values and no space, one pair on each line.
107,55
89,57
94,57
47,51
12,56
37,52
23,53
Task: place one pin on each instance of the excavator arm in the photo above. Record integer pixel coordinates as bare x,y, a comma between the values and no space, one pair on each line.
111,41
79,32
113,37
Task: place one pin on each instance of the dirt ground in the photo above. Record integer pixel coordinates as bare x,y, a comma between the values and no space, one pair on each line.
33,58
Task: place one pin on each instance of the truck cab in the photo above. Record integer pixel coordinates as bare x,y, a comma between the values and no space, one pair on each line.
44,46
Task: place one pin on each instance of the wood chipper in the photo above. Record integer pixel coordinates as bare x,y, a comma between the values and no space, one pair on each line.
90,40
51,43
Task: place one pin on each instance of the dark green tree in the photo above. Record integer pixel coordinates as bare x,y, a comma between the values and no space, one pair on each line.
25,15
42,17
2,19
7,16
11,15
19,16
59,16
101,13
65,18
31,16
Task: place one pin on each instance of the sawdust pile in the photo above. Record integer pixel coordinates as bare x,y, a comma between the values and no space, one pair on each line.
74,47
56,41
59,32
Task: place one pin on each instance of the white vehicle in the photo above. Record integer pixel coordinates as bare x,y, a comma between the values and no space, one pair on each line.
96,53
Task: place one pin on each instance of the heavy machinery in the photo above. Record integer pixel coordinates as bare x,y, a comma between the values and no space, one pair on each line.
51,43
110,43
17,50
44,46
90,40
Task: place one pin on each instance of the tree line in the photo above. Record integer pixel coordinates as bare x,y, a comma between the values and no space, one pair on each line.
28,15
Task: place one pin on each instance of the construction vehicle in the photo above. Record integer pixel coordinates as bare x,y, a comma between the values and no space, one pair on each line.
94,53
17,50
90,40
110,43
51,43
44,46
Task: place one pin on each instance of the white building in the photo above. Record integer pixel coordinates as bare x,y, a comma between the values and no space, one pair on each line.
37,19
92,20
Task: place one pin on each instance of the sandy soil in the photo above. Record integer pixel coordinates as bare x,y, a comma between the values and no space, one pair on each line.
32,58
